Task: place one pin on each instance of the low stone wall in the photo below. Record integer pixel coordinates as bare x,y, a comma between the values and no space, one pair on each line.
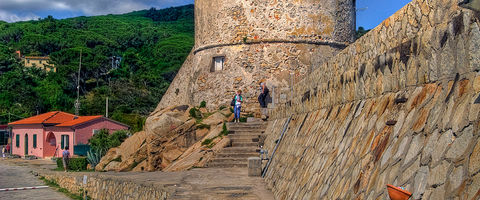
400,106
104,187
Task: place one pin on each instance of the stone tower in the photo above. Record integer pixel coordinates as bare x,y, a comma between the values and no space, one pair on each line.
241,42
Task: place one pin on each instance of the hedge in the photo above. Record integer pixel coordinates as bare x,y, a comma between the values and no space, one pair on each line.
75,164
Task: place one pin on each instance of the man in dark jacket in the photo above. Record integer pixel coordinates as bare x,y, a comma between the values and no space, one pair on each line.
262,98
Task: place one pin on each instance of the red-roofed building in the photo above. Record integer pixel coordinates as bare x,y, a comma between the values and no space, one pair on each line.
46,135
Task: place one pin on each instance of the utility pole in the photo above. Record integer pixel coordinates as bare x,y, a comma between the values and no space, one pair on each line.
77,102
106,107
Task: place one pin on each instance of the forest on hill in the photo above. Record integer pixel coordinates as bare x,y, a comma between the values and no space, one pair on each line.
152,45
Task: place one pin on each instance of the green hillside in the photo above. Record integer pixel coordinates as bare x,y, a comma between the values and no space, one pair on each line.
152,43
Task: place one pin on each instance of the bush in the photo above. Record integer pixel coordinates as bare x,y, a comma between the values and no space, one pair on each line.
195,113
75,164
104,141
203,104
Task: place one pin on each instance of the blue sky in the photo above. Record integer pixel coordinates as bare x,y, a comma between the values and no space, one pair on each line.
370,12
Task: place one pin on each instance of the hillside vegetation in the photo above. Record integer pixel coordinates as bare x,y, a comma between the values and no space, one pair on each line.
152,43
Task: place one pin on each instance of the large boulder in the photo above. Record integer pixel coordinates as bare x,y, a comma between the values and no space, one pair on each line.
131,152
172,141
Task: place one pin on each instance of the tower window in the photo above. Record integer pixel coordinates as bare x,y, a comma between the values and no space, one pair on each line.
218,63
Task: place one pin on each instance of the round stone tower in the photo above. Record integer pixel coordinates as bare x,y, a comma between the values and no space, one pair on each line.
239,43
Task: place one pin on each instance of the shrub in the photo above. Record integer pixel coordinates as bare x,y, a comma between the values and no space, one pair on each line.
117,138
75,164
104,141
195,113
222,107
203,104
231,109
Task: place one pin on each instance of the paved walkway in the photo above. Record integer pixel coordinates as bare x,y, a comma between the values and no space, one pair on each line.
14,176
200,183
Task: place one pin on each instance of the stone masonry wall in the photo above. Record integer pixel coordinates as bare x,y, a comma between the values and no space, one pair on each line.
400,106
106,188
232,21
274,41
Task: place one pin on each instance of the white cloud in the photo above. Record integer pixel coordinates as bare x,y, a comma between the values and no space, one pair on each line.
11,17
17,10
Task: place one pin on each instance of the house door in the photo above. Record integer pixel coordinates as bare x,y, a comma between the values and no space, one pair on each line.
50,145
26,144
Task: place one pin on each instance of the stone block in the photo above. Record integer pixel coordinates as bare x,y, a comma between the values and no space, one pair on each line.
254,166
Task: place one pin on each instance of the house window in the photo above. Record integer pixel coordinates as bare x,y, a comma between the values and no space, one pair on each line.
40,62
218,63
65,141
17,140
95,131
28,61
34,141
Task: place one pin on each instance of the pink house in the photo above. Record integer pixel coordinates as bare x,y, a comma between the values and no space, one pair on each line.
46,135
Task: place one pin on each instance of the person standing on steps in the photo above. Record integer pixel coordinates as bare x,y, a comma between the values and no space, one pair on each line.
238,99
65,158
262,99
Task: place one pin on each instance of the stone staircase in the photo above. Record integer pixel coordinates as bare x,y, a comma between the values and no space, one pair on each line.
244,143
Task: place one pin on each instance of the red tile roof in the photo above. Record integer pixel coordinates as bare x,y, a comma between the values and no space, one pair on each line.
79,120
57,118
35,119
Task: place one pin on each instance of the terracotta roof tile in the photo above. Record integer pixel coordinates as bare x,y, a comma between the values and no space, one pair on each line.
54,117
59,118
79,120
35,119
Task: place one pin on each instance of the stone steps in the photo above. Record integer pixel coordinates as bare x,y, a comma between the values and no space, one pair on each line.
239,150
234,135
228,165
244,137
230,160
237,155
244,144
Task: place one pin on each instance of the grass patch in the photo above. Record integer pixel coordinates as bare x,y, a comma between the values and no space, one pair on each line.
224,130
222,107
54,185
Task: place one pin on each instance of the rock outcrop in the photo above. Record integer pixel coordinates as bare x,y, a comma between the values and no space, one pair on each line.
172,140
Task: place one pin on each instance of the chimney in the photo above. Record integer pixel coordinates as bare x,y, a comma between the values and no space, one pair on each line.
19,54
